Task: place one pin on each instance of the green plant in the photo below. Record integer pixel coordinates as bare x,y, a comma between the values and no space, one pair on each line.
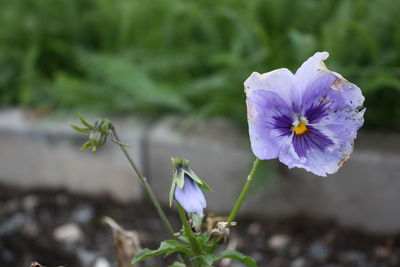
57,54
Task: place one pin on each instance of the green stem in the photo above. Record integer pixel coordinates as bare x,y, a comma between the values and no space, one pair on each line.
241,198
188,231
149,192
245,189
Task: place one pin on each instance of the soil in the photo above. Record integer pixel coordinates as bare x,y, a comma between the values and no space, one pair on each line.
29,221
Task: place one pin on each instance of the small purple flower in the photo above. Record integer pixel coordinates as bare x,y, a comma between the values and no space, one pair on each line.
190,197
186,187
308,119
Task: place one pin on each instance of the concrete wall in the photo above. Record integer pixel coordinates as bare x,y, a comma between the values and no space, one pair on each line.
45,153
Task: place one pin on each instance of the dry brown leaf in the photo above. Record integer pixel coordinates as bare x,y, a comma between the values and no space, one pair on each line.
126,243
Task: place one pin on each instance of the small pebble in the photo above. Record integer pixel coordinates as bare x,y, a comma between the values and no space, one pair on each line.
382,252
318,251
86,257
254,228
355,257
30,202
12,224
278,241
101,262
299,262
68,233
84,214
31,229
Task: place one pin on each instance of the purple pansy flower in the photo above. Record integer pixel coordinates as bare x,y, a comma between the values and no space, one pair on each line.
190,197
308,119
186,187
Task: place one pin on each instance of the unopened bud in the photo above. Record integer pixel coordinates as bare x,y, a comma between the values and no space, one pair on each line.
97,138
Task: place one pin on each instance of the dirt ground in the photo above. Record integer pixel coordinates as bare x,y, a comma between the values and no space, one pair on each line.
57,228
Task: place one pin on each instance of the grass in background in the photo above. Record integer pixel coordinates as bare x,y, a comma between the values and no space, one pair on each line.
190,57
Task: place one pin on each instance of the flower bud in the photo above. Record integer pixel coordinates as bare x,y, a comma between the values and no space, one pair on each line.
97,133
190,197
97,138
186,188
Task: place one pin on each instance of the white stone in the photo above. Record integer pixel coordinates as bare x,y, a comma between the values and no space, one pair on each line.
101,262
278,242
68,233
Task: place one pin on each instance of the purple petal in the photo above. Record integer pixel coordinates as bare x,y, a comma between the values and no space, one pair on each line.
317,161
334,106
190,197
270,121
310,70
313,139
280,81
272,99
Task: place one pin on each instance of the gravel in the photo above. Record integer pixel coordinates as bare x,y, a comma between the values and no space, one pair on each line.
34,226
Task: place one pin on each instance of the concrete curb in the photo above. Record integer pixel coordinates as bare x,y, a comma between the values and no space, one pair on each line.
45,153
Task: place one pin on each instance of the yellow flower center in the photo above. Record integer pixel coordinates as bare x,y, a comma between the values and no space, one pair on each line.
301,128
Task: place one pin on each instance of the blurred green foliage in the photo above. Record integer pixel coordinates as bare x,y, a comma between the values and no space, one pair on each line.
191,57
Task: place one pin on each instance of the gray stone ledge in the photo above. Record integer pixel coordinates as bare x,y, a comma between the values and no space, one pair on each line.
45,153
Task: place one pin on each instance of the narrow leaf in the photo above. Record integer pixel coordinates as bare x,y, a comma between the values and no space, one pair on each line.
207,258
180,179
177,264
84,122
205,187
184,238
86,145
232,254
166,247
105,126
79,129
199,182
171,192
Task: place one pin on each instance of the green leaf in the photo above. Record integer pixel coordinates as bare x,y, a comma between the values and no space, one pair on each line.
205,187
197,220
180,162
180,179
79,129
207,258
197,179
166,247
203,237
171,192
119,143
184,238
194,177
84,122
86,145
232,254
105,126
177,264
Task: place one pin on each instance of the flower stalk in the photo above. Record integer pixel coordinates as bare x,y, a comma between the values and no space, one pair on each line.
245,189
143,181
149,191
240,199
188,232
